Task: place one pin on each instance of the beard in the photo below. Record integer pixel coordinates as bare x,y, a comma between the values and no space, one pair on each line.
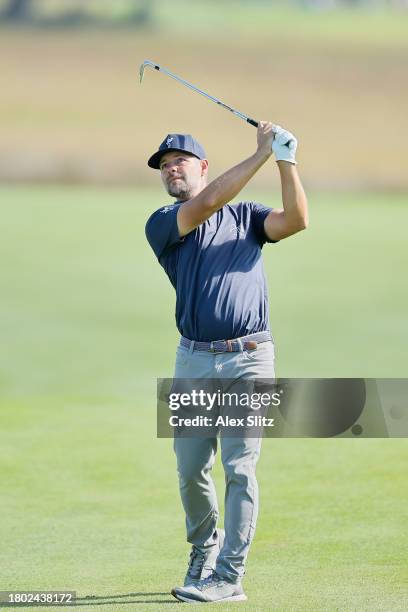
179,189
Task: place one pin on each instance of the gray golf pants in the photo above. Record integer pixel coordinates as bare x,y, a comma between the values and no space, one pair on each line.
196,456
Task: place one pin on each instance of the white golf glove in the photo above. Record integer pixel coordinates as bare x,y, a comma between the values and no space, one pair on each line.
284,145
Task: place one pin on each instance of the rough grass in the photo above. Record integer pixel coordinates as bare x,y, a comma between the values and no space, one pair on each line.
72,108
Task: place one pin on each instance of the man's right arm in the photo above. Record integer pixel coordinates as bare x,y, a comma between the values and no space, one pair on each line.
224,188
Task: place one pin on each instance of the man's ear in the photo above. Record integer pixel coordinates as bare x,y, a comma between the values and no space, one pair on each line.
204,167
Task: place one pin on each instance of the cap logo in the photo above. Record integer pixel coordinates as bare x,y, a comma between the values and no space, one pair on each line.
169,141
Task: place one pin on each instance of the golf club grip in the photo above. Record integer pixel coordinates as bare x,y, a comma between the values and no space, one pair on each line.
252,122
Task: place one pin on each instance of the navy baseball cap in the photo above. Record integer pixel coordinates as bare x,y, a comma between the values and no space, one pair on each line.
176,142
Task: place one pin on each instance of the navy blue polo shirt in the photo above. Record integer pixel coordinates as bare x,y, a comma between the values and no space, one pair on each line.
216,270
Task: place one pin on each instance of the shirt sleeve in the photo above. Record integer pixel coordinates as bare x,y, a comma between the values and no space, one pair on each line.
162,231
259,212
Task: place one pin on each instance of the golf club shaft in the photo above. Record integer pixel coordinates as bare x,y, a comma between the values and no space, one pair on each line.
200,91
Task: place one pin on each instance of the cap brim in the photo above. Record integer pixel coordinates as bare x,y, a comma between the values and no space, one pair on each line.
154,160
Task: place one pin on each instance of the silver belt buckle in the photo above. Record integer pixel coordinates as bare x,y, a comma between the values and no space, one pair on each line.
213,349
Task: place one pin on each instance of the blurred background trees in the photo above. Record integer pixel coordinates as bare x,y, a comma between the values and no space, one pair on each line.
77,12
16,10
140,13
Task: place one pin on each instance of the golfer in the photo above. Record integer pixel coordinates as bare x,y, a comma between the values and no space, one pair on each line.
211,250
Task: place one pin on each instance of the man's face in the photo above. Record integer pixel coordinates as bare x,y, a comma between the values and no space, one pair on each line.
183,175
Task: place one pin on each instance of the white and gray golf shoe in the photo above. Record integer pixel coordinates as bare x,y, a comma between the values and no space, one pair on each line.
210,590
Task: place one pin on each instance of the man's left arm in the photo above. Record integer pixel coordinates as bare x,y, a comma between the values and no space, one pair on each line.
293,217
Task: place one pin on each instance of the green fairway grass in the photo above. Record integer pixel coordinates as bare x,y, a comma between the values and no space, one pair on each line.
89,495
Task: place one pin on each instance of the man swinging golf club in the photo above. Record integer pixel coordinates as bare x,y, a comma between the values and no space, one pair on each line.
210,249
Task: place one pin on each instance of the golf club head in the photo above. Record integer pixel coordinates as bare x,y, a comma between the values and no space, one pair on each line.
143,66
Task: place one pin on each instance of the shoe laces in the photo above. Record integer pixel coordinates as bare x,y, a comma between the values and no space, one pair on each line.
212,580
196,563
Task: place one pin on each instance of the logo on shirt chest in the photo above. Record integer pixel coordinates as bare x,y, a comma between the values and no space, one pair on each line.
237,230
167,209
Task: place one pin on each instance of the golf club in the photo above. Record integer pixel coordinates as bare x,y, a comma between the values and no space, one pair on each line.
147,63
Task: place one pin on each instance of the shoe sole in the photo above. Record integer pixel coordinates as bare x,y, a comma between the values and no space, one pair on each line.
184,599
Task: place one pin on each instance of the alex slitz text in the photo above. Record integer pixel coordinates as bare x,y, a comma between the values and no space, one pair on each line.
221,421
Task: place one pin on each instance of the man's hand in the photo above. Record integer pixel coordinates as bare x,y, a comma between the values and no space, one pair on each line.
265,137
284,145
